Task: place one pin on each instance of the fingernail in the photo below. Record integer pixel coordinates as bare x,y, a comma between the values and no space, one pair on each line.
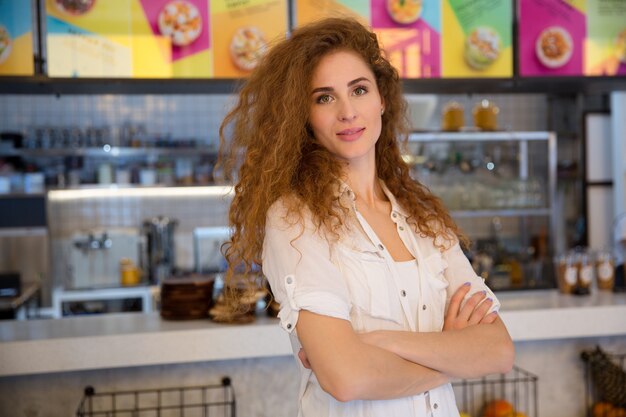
484,292
467,283
490,300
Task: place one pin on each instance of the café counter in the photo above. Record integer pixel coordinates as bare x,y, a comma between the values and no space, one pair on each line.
131,339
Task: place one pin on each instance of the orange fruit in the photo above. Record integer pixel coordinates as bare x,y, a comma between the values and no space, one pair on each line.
499,408
602,409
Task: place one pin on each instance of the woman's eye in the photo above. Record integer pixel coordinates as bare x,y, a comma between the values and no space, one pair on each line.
325,98
359,91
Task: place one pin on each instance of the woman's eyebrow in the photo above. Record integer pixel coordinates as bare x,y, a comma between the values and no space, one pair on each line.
330,89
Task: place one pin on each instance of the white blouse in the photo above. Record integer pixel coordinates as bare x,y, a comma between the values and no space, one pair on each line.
356,279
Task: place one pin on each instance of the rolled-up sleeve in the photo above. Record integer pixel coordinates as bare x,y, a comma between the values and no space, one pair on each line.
459,271
297,263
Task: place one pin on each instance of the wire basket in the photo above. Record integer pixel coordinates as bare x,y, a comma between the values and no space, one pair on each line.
598,403
195,401
510,394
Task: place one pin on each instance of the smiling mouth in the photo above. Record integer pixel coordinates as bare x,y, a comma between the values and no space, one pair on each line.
351,134
351,131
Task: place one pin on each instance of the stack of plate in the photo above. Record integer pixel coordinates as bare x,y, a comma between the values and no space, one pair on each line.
186,298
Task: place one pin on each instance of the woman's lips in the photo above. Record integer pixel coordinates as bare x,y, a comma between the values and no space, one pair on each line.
350,135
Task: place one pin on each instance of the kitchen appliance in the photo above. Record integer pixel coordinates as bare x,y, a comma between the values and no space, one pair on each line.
94,256
161,254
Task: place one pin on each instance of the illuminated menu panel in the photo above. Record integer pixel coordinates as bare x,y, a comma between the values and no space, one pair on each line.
160,38
572,37
551,37
477,39
431,39
16,38
605,47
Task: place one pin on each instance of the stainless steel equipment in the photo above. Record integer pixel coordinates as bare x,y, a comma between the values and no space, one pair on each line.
161,250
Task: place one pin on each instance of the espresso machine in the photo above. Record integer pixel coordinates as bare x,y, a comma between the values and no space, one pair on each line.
161,252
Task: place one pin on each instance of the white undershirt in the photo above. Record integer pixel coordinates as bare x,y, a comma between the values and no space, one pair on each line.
409,277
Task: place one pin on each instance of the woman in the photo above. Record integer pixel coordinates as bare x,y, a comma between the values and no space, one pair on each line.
362,259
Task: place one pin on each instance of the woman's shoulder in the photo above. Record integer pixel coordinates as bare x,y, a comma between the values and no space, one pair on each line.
287,211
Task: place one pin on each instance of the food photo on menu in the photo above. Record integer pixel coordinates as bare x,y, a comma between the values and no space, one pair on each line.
183,24
243,31
551,38
247,46
554,47
180,21
482,47
74,7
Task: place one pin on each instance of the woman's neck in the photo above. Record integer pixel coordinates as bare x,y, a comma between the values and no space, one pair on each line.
365,186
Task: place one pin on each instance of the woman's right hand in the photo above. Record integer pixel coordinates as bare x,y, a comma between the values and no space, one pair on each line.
472,312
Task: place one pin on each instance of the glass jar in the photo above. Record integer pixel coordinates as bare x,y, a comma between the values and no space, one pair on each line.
452,118
486,115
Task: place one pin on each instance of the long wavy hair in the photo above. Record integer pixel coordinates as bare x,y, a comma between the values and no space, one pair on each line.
271,145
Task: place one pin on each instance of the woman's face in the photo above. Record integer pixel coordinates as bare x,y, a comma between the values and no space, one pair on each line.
345,110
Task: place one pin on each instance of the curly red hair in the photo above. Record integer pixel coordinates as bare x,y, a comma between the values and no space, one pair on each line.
277,156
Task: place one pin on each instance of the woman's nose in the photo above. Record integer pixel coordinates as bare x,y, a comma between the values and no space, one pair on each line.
347,111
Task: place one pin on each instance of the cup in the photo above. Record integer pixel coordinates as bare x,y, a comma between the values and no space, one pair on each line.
566,273
585,272
605,270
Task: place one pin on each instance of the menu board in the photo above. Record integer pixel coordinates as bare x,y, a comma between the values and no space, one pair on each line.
477,38
171,39
552,37
605,47
160,38
244,30
409,31
431,39
16,38
90,38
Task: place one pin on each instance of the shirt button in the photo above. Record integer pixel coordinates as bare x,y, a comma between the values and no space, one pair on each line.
435,406
394,215
424,307
288,325
401,228
381,247
403,293
289,280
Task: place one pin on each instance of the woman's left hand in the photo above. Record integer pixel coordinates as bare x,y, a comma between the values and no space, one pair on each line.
474,311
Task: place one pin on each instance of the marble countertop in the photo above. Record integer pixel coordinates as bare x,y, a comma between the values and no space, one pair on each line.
131,339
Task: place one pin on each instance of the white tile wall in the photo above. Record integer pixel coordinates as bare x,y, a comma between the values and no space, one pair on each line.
177,116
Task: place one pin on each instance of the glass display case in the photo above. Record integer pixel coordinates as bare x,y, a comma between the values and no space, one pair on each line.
500,188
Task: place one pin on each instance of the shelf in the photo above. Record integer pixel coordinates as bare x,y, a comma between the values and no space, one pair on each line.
501,213
480,136
23,231
40,84
108,152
